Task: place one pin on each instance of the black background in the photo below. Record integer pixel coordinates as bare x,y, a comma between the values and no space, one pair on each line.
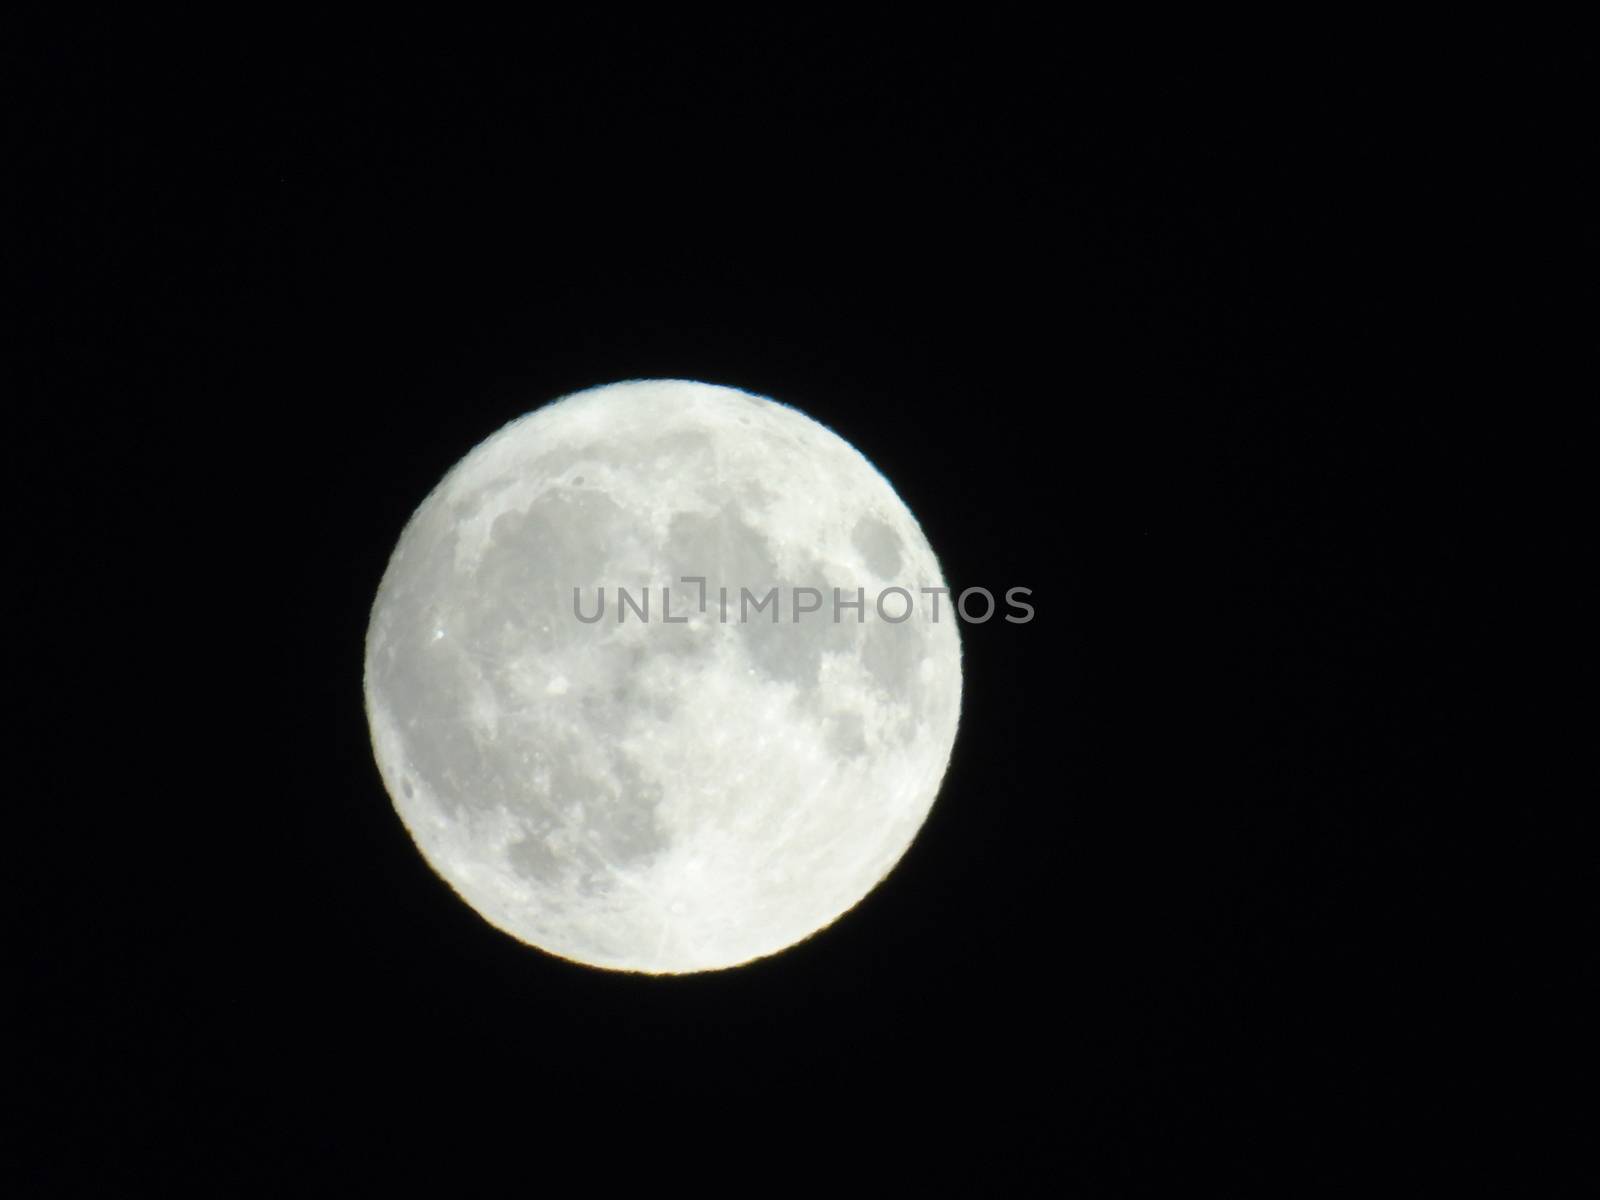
1155,336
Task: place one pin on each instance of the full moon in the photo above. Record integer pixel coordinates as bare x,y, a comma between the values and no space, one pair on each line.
662,677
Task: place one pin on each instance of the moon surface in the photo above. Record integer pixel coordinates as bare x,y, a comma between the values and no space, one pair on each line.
690,786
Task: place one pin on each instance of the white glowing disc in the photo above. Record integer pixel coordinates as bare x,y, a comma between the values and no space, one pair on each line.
649,794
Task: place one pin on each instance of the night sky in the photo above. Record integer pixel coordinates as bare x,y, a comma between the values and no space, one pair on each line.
1150,334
